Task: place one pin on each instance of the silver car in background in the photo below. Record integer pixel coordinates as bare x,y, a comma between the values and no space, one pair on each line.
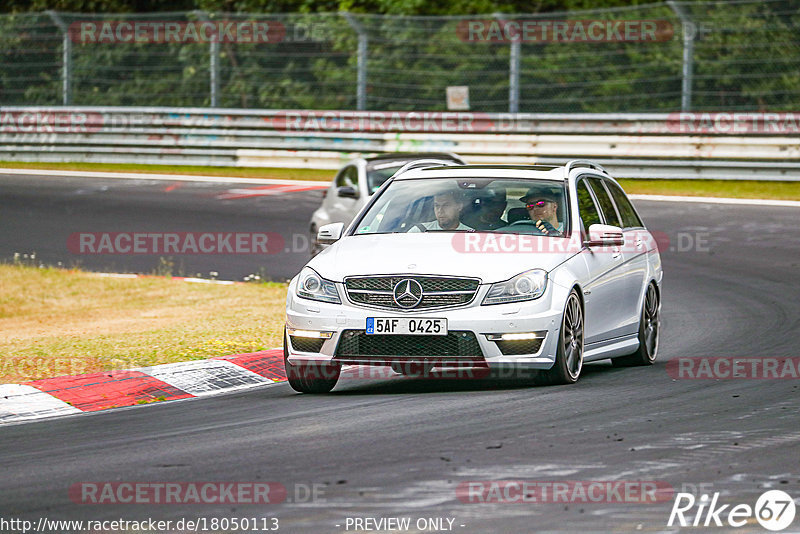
355,183
522,268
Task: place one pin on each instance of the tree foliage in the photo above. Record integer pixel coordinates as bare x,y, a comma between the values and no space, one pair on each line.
389,7
746,57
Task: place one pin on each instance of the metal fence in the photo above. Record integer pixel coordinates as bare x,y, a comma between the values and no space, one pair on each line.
734,55
676,145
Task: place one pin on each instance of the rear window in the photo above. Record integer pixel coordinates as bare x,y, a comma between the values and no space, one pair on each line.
606,205
629,217
378,173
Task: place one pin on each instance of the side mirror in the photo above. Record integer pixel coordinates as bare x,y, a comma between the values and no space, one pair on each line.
347,191
330,233
605,235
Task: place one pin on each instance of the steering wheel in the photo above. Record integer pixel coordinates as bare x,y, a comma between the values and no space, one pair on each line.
550,229
419,226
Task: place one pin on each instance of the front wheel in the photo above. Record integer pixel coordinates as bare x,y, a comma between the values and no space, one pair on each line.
569,355
310,377
649,326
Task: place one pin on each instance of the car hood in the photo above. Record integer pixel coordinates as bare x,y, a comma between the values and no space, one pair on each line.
440,253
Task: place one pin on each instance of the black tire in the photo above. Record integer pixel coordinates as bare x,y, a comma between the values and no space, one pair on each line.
569,355
649,326
309,377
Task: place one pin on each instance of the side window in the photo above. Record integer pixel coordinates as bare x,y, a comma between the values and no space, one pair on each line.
586,206
347,176
606,205
626,211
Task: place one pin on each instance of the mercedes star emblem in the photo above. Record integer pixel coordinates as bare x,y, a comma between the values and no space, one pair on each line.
407,293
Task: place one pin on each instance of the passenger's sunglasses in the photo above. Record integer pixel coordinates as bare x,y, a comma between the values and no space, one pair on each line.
537,204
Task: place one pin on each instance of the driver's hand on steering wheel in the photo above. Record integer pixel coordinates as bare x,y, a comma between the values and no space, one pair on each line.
546,228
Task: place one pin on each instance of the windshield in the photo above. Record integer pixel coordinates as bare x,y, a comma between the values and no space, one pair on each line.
381,170
469,204
378,174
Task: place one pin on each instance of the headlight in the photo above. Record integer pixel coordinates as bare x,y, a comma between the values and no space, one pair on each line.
312,286
525,286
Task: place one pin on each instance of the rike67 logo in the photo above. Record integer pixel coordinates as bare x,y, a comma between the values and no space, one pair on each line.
774,510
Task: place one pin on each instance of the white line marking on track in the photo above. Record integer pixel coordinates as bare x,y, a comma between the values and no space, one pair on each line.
178,278
720,200
167,177
268,190
235,180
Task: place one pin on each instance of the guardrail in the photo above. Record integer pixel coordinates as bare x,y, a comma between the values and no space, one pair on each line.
679,145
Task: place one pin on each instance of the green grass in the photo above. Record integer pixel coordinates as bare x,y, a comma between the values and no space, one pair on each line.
716,188
65,322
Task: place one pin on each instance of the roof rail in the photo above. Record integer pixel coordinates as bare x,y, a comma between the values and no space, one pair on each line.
572,164
418,155
430,162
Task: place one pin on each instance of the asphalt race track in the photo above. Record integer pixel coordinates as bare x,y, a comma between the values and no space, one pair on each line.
41,219
401,447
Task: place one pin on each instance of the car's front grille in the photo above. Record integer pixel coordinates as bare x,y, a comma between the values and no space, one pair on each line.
456,346
437,291
521,346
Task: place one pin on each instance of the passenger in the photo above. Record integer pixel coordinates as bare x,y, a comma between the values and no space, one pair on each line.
491,208
447,207
542,206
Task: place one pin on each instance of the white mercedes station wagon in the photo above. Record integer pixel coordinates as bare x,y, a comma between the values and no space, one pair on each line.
526,268
357,181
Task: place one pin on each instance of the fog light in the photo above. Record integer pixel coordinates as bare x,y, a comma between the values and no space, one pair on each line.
314,334
516,336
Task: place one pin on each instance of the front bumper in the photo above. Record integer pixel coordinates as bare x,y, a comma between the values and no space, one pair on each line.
542,315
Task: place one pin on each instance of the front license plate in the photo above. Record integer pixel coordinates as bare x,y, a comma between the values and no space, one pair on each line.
406,325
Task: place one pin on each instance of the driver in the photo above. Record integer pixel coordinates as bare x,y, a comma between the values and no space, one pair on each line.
542,206
447,207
